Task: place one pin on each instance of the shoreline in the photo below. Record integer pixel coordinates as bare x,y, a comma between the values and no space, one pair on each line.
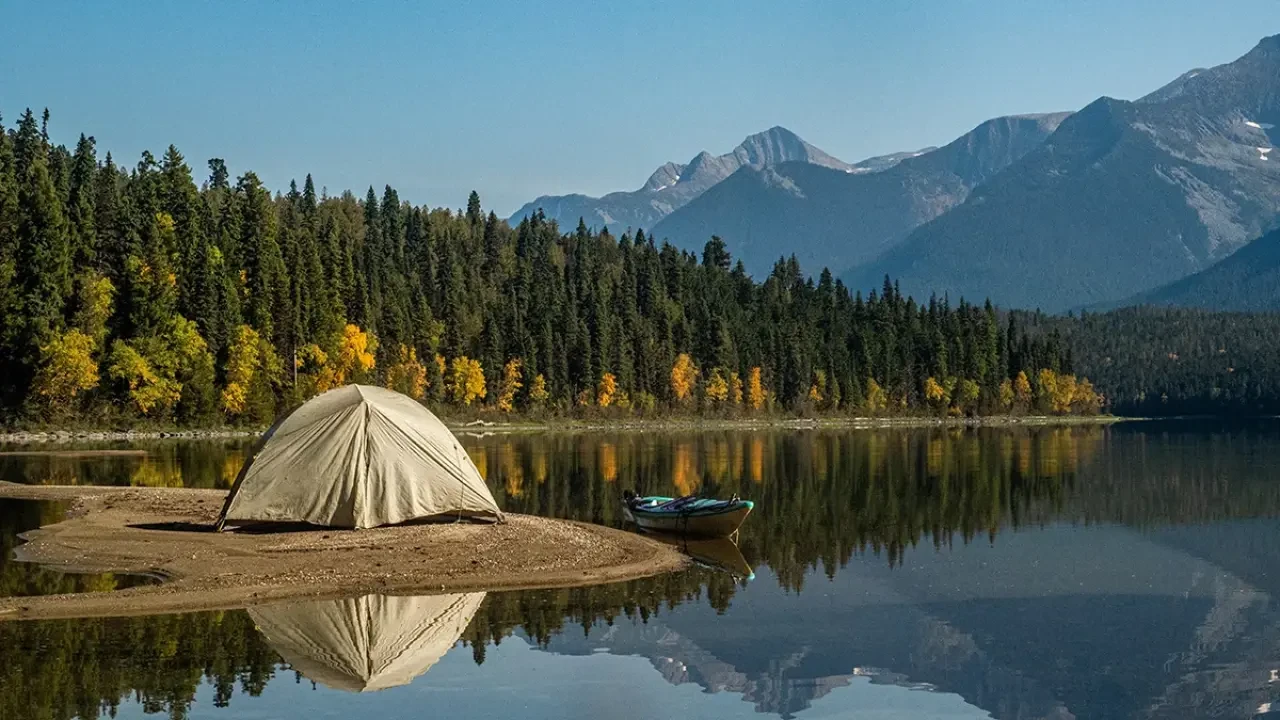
167,533
484,427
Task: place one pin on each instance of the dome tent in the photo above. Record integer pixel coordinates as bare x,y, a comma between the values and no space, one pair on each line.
357,457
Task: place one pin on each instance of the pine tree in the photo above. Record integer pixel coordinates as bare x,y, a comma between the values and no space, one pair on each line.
10,283
82,198
42,253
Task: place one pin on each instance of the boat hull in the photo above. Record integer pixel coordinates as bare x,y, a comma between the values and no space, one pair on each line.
721,524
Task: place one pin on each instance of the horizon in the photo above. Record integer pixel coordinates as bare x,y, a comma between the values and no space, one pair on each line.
437,138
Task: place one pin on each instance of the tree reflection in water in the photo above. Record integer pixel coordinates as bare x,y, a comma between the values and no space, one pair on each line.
822,498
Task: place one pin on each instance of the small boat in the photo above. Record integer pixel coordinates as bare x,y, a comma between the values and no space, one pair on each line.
689,516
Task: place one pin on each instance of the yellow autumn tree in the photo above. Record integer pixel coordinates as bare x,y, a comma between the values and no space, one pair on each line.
538,392
1046,390
735,389
511,377
1086,401
877,399
67,368
717,390
935,394
439,371
149,392
158,370
95,298
1006,394
755,390
466,381
242,365
1064,392
1022,390
407,375
354,356
606,390
684,374
818,388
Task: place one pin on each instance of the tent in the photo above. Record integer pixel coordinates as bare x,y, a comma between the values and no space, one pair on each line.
367,643
357,457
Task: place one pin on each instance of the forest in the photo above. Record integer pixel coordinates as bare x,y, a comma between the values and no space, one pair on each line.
1155,361
134,295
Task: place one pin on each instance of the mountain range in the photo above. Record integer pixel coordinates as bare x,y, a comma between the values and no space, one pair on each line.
1116,202
1122,198
673,185
835,219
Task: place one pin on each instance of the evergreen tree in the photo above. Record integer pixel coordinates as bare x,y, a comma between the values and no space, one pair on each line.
81,202
43,252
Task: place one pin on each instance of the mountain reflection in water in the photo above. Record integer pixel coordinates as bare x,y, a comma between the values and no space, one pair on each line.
1031,573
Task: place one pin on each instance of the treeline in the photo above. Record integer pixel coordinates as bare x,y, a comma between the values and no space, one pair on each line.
134,293
1175,361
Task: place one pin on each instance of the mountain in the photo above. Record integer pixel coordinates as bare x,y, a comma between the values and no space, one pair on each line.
673,184
1248,281
835,219
1173,89
1123,197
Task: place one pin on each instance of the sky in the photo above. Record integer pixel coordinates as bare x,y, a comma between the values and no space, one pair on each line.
517,99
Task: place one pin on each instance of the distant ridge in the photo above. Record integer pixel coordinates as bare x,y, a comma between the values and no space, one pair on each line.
673,185
1246,281
1124,197
835,219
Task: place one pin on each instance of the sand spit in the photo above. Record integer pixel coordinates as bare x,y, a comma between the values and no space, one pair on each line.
167,533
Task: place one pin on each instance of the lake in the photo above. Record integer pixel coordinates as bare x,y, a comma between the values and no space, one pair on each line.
1130,571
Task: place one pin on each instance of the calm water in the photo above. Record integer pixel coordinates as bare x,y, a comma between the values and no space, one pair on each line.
1129,572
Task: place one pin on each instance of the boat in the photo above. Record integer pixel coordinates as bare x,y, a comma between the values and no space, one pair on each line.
689,516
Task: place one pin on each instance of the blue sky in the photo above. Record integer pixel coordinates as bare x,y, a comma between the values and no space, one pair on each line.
517,99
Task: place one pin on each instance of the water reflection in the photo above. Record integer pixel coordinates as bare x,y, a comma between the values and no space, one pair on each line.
152,463
1044,573
22,579
367,643
716,554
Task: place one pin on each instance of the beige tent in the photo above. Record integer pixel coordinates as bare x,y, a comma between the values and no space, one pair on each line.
357,457
368,643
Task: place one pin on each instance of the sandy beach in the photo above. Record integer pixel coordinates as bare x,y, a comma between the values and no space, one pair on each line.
167,533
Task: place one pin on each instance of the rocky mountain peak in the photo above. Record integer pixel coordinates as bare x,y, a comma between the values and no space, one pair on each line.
664,177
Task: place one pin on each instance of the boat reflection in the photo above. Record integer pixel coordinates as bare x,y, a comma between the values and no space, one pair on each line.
718,554
367,643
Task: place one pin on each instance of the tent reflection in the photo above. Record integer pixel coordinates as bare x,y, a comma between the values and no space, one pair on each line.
367,643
